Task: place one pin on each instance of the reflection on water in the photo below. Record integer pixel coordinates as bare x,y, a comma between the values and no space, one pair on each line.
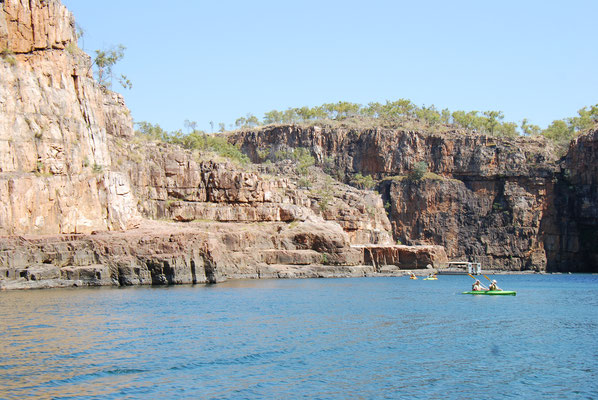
336,338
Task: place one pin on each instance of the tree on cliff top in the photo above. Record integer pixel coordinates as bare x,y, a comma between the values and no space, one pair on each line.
104,61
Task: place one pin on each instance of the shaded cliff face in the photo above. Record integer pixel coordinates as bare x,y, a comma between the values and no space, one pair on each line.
487,201
497,223
54,127
573,239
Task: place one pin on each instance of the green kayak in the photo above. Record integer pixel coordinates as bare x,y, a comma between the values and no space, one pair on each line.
493,292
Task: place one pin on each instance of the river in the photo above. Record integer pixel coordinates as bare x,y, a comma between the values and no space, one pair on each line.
360,338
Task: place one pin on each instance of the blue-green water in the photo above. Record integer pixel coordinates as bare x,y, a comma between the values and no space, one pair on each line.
359,338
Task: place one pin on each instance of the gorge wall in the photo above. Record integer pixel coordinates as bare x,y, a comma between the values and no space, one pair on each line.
55,121
86,201
573,243
501,201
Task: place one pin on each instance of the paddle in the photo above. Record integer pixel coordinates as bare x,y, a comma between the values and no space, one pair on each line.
490,281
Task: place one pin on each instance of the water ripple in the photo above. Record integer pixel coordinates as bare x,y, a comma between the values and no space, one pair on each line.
330,339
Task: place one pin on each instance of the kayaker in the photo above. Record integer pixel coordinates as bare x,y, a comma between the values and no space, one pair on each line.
494,286
477,286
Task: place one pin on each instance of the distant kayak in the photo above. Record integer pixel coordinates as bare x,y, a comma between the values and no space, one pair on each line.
430,279
493,292
413,277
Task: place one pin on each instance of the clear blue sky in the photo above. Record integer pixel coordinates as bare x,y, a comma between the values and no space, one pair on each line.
219,60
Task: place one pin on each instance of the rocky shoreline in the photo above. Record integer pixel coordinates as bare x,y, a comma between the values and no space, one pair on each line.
164,253
303,272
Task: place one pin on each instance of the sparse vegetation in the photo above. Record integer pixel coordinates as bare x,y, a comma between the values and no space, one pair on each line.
432,176
404,114
325,199
396,178
263,154
300,155
363,182
8,56
370,210
304,182
195,140
72,48
419,171
104,62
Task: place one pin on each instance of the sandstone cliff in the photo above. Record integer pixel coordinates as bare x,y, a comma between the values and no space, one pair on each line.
54,126
486,199
84,201
573,232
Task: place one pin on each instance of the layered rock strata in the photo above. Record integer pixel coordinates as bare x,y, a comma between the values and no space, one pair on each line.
84,201
200,252
181,185
572,237
485,199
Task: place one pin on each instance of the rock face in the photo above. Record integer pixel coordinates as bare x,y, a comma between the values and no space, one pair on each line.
496,223
27,26
573,236
54,126
180,185
84,201
390,258
78,190
175,253
487,199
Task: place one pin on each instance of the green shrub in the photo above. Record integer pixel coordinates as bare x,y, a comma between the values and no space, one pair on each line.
196,140
363,182
419,170
325,199
300,155
8,56
263,154
304,183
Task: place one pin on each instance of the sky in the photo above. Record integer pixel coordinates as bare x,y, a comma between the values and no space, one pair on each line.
216,61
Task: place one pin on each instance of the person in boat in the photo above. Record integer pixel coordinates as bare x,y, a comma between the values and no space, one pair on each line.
494,286
477,286
412,275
